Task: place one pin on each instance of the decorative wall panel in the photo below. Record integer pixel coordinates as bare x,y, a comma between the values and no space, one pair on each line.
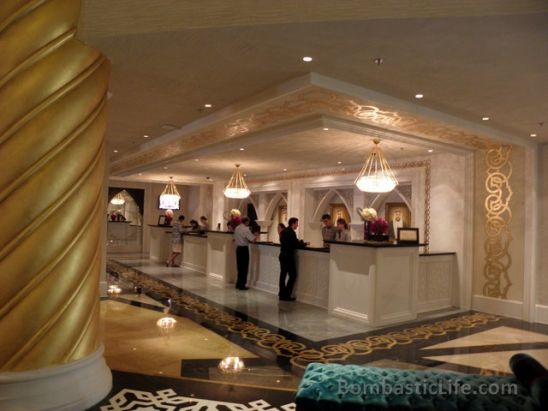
498,216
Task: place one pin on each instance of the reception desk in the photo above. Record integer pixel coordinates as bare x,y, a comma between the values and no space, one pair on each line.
160,242
374,282
312,285
221,256
195,252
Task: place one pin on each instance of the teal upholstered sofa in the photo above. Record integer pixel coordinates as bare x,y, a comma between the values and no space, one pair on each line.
351,387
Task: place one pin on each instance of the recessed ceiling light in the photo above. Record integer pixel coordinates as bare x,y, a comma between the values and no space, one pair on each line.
146,136
485,118
339,162
307,59
207,105
430,151
532,135
285,169
115,151
325,129
419,96
242,149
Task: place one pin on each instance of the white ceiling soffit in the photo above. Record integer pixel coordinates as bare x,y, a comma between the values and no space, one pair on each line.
299,100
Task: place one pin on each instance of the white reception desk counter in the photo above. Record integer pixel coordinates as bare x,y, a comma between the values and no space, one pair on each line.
377,283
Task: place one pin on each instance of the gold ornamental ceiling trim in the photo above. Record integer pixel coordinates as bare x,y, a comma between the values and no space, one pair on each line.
52,167
308,101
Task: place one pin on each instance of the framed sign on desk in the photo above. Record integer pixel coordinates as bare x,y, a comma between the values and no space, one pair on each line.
408,235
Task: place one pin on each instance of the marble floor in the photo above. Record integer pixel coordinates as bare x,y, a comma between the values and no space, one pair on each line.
155,368
310,322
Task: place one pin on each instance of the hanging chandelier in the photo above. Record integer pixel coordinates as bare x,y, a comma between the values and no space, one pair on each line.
118,199
169,199
236,187
376,175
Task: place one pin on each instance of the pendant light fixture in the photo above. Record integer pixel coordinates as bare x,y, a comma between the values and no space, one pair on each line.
169,199
118,199
236,187
376,175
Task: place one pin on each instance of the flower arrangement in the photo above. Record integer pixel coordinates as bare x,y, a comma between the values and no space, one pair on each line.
367,214
379,226
169,216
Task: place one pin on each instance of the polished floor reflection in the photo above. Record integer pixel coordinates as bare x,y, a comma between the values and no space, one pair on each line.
214,321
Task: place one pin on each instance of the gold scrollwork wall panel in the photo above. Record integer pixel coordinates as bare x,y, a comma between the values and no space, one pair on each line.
498,217
52,161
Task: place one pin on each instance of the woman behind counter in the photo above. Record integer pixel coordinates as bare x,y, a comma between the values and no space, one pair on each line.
342,234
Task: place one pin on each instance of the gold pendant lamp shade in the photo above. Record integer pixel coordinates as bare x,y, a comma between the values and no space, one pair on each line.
169,199
236,187
376,175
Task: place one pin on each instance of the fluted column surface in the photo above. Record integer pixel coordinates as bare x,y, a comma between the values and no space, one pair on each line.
52,161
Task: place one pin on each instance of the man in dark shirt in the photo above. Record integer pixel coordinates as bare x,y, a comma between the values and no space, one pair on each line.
288,265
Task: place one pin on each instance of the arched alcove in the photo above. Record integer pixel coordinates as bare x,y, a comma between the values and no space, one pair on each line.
324,204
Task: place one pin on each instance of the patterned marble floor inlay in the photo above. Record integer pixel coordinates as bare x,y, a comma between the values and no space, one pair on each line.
300,353
133,400
496,361
494,336
178,370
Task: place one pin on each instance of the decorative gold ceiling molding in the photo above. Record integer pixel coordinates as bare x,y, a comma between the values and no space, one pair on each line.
307,101
103,18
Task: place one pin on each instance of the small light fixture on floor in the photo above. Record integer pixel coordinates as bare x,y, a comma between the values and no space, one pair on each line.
236,187
376,175
170,197
114,289
166,323
231,365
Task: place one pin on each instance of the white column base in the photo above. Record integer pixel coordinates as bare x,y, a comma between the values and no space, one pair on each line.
76,386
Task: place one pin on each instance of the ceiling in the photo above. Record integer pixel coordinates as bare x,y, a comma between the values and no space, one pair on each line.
299,151
470,59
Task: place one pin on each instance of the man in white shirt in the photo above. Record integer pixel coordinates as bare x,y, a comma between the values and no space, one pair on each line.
242,238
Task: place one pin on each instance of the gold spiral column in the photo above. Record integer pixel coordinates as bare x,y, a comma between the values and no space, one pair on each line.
52,160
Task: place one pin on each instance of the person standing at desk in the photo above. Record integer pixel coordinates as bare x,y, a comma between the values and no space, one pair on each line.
343,234
242,238
176,242
328,230
288,265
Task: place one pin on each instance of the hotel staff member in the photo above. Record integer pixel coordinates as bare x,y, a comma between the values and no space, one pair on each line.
242,238
288,265
328,230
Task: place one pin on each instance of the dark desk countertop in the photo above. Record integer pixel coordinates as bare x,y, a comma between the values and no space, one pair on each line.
195,234
318,249
435,253
376,244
